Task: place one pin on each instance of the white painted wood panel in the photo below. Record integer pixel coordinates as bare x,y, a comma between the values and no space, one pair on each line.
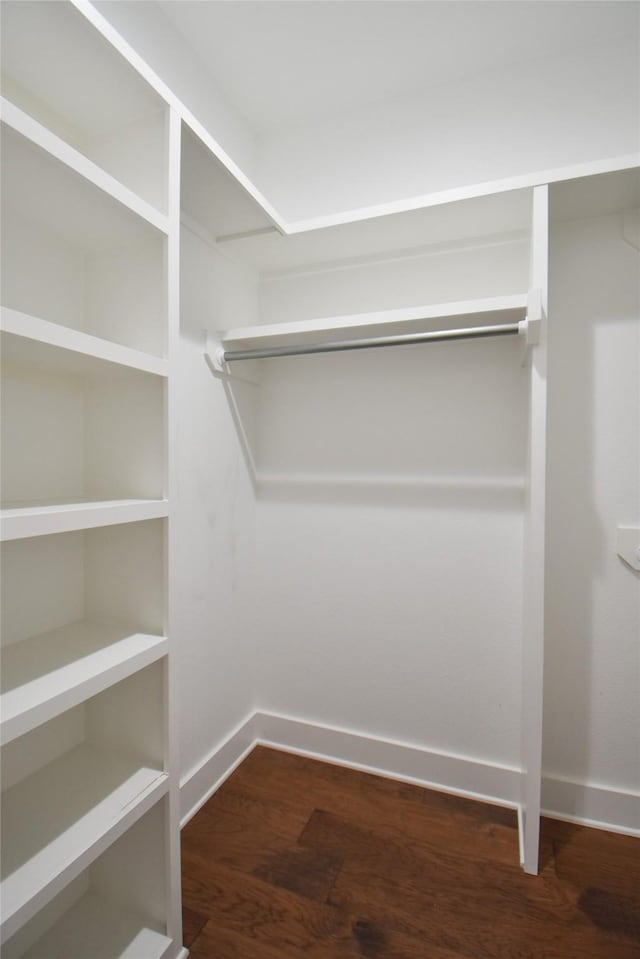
533,623
493,310
60,818
30,340
58,69
96,927
19,121
47,674
27,521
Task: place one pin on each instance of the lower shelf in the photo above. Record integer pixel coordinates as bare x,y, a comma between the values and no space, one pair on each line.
97,928
58,820
20,522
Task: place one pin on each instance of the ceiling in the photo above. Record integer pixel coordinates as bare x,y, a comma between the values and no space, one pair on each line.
282,63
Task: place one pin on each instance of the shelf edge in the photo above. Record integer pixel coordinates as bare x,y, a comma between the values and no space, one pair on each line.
22,523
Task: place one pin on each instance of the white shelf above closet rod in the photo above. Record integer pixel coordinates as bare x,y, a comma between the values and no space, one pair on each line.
525,323
373,342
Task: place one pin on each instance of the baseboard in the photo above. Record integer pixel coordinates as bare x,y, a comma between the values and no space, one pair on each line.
390,758
599,806
395,760
202,781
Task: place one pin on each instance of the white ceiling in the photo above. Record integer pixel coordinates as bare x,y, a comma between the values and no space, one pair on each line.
287,62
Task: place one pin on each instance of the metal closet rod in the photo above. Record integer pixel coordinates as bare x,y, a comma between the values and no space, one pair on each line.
374,342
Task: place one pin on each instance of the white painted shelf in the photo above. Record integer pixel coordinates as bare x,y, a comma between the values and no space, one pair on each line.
488,311
59,69
30,340
47,674
16,119
57,821
20,522
54,196
96,927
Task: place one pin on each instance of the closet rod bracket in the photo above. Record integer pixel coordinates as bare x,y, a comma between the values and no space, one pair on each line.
214,353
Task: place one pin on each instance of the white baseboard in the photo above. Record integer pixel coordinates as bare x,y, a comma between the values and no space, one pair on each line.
396,760
599,806
393,759
200,783
596,806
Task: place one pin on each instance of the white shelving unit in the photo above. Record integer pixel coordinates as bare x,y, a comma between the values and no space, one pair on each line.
89,817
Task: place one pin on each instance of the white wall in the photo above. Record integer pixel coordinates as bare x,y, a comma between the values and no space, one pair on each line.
213,520
542,115
592,675
389,520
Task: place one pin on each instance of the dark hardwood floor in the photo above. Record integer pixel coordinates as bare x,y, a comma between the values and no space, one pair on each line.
297,858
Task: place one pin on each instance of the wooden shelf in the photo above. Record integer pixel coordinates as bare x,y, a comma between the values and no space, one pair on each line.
20,522
57,821
97,927
37,134
492,310
54,196
30,340
50,673
113,115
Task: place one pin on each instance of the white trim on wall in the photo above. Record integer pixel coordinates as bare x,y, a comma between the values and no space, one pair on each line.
392,759
201,782
615,810
598,806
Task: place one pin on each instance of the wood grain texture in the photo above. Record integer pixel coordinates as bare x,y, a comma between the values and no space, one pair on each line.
293,857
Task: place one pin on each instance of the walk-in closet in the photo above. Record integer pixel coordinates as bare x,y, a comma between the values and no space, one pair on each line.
320,425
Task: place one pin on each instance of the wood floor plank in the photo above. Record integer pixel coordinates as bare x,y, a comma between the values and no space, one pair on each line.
460,927
259,838
216,942
295,858
192,925
485,832
592,857
294,927
432,862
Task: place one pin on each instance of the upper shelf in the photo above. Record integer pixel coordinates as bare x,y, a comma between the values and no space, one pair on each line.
492,310
63,73
16,119
216,206
54,196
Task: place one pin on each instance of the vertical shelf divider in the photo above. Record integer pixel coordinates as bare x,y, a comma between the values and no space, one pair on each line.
534,552
174,133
